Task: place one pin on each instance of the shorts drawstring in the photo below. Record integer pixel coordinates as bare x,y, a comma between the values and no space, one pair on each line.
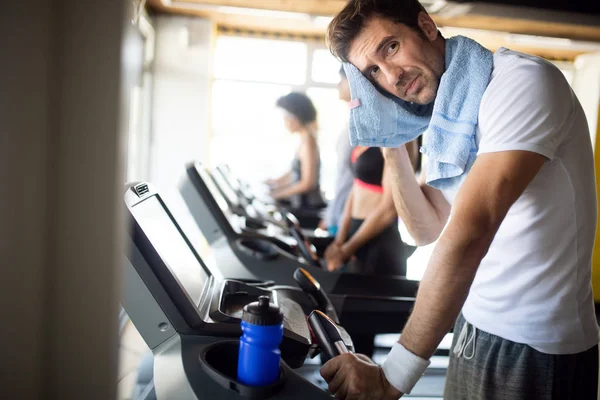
462,343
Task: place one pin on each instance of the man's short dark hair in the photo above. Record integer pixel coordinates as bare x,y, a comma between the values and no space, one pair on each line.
300,106
344,28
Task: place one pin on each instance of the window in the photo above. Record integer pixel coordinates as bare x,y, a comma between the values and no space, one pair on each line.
140,90
260,60
325,68
247,128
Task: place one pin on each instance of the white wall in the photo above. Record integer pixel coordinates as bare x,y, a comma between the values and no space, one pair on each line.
180,109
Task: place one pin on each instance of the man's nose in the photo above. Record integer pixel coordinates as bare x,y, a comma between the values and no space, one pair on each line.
392,73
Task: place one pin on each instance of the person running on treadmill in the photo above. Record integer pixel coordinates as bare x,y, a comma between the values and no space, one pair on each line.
300,186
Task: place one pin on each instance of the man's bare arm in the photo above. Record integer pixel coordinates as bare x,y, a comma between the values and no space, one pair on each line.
423,209
494,183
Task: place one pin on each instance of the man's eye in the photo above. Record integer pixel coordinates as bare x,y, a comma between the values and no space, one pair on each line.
374,71
391,49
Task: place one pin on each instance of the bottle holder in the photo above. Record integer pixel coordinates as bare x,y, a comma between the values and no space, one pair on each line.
220,362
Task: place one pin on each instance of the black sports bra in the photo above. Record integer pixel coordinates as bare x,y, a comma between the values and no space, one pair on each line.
368,168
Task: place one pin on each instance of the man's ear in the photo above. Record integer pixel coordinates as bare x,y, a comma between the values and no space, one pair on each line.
427,26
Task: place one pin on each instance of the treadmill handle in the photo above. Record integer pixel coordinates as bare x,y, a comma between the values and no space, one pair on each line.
311,286
327,335
295,230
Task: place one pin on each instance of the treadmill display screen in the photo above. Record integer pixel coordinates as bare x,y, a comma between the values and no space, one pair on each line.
171,247
226,189
207,179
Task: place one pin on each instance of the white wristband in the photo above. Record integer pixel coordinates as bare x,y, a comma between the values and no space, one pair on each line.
403,369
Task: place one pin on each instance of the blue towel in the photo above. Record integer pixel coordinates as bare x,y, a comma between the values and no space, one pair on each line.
448,125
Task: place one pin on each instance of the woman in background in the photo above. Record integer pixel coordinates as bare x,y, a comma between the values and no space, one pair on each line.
368,240
300,186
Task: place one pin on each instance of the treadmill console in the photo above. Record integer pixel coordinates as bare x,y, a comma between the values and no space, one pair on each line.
216,216
195,301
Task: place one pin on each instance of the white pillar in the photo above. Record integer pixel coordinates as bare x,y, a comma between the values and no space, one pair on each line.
61,152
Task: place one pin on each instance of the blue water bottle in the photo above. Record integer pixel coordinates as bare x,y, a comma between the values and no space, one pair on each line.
262,332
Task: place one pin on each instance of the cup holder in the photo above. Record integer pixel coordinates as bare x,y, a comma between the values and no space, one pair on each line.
260,248
220,361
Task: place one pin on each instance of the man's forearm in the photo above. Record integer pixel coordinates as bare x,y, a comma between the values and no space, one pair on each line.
423,211
444,288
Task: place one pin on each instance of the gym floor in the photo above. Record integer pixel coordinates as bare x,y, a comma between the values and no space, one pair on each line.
131,350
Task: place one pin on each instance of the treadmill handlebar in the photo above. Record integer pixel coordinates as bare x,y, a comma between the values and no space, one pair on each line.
312,287
290,219
327,334
306,281
304,246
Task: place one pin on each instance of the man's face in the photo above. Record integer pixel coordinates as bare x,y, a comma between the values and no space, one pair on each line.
400,60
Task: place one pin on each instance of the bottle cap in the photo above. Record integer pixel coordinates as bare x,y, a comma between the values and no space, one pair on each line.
262,312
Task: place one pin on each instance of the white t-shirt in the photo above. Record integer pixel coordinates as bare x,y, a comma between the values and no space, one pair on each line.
533,286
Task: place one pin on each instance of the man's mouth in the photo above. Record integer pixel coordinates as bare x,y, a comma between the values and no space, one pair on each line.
411,87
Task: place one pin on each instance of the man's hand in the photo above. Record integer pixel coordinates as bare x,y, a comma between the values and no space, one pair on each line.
356,377
334,256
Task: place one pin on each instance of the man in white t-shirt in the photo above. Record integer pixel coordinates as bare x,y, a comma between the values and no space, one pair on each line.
512,265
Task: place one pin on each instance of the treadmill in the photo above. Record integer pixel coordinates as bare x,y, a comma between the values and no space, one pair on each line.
267,219
253,217
251,255
190,319
241,200
308,218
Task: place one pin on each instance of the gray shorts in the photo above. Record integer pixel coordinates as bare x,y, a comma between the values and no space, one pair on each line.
488,367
